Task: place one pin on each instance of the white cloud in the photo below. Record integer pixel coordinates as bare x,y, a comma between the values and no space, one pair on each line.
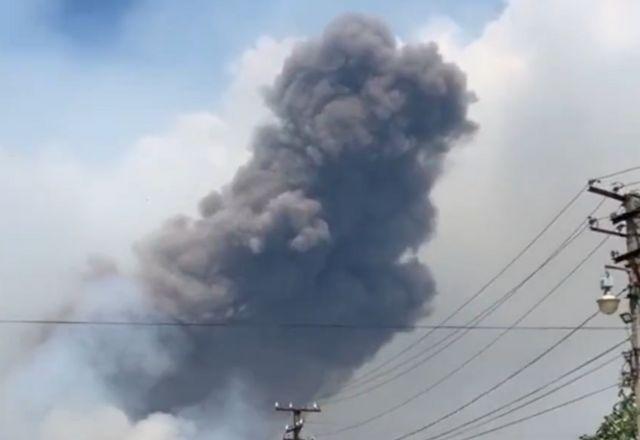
443,30
557,104
57,210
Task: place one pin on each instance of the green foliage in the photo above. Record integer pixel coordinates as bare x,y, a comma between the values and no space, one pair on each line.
620,424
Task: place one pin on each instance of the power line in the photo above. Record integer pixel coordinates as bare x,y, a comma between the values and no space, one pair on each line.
474,321
510,377
297,326
536,399
482,289
617,173
458,429
540,413
467,362
456,335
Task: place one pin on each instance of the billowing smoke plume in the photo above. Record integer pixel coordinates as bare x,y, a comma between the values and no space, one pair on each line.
319,227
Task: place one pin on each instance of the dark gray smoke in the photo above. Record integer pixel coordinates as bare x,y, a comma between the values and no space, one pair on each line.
319,227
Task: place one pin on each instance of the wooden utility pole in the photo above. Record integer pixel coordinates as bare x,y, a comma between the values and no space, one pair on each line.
628,226
298,421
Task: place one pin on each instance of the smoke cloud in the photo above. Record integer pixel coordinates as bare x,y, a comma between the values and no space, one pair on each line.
319,226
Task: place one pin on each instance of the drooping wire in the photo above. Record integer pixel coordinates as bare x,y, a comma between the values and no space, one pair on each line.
540,413
459,335
617,173
496,413
481,290
459,429
534,400
467,362
580,228
510,377
473,322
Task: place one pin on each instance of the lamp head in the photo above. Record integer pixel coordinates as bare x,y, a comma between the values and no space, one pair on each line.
608,303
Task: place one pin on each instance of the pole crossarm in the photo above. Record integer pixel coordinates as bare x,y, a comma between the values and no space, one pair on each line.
625,216
605,192
298,421
627,256
607,231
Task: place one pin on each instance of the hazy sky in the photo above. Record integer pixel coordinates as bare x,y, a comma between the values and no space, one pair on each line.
118,115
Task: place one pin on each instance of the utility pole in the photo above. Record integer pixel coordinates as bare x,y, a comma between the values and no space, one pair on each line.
628,226
632,257
298,421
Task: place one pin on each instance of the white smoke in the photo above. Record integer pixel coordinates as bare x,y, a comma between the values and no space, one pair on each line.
108,423
57,211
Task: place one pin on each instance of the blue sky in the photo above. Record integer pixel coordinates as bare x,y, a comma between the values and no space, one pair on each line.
94,75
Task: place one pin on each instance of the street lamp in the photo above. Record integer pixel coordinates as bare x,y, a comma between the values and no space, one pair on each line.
607,303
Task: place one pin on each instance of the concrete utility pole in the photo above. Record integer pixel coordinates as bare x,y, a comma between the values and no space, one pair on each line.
632,210
298,421
628,226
